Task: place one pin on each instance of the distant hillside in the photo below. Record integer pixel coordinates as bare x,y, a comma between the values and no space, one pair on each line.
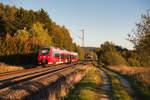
89,49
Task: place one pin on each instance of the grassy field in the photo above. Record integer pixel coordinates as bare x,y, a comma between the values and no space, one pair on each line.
88,88
139,78
7,68
117,90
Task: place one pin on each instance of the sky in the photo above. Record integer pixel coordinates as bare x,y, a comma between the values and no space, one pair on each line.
102,20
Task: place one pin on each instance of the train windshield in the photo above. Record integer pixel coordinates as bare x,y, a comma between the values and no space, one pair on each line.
44,51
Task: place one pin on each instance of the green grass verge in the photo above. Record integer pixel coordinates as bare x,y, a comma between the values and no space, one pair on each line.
88,88
117,90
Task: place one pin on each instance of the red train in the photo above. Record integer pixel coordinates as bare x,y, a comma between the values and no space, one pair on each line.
52,55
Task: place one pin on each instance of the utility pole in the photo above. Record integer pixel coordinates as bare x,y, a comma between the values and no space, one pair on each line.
148,11
82,38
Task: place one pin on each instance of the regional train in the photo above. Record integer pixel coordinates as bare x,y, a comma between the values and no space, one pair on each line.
52,55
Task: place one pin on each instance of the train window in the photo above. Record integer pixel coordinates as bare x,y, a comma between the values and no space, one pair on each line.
62,56
44,51
65,56
68,57
71,56
57,55
75,56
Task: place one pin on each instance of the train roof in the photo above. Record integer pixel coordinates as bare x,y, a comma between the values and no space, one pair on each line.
61,50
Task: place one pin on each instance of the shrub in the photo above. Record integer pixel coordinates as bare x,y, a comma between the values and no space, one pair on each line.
113,58
133,62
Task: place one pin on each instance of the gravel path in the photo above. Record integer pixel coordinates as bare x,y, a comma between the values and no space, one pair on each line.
105,89
126,85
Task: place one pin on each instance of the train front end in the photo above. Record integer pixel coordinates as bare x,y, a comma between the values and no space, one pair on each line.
44,55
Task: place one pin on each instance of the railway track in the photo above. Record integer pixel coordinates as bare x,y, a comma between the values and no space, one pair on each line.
13,78
27,70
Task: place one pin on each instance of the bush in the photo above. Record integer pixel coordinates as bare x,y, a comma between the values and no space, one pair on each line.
145,61
113,58
133,62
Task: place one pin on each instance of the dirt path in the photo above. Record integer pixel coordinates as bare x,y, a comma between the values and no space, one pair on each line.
106,87
124,83
127,86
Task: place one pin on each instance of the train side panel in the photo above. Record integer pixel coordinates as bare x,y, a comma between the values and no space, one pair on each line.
51,55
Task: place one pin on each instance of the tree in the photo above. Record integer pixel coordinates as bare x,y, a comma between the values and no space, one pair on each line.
113,58
6,19
22,34
22,19
43,17
108,55
40,35
23,40
140,37
80,52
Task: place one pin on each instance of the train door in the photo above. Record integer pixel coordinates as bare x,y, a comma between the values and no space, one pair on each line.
70,58
57,58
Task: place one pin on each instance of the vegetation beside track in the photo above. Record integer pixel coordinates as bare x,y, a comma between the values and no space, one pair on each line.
138,77
88,88
7,68
118,92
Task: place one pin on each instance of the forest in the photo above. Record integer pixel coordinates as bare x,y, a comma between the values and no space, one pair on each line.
23,32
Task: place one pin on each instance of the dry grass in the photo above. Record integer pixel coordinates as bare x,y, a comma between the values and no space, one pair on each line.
118,92
7,68
141,74
139,78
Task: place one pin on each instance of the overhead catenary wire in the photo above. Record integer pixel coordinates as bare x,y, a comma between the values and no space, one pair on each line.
80,37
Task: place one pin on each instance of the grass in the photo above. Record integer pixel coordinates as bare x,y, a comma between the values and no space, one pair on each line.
139,78
7,68
88,88
117,90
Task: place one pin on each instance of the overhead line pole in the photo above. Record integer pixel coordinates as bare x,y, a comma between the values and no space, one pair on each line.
83,38
76,35
148,11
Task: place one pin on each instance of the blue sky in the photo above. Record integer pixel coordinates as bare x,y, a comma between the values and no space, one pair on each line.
102,20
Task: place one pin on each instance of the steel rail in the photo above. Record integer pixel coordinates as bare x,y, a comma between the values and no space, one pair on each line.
27,70
29,76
